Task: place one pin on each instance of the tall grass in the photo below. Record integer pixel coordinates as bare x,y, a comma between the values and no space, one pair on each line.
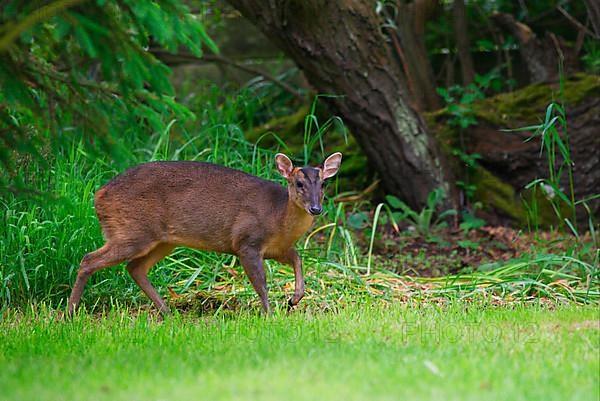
43,240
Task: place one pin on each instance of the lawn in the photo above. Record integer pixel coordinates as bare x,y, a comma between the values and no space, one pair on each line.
358,352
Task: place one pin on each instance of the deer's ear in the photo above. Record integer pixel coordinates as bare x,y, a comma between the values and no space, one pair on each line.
284,165
331,165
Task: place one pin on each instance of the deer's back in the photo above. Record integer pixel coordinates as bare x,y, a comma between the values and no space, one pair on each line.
196,204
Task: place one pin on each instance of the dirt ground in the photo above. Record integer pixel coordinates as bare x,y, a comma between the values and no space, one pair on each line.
449,251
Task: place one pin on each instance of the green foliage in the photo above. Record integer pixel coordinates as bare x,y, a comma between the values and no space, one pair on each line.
540,15
591,59
470,222
358,220
459,99
423,221
313,131
469,161
86,68
468,244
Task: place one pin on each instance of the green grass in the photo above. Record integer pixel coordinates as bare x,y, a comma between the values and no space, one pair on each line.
367,351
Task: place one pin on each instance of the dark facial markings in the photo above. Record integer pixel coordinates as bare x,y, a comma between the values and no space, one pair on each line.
311,174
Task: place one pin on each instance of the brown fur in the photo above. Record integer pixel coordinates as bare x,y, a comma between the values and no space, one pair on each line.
154,207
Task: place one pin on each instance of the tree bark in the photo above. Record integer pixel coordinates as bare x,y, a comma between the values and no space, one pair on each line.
411,19
462,42
342,51
593,9
512,158
516,162
541,56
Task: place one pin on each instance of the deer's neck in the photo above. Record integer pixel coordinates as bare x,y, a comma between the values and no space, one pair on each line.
296,221
292,223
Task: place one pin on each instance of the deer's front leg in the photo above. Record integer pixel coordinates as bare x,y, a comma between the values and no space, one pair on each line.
292,258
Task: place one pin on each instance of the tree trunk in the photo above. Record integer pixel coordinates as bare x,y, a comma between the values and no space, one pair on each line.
342,51
462,42
516,161
511,160
593,9
411,20
541,56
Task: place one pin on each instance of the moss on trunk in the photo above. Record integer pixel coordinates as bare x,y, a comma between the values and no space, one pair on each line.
507,162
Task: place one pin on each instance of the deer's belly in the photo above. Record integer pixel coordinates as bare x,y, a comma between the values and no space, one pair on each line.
213,245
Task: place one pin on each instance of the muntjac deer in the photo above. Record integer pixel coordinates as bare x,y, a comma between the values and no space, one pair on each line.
152,208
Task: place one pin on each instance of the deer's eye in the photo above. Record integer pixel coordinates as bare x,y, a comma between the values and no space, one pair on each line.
299,184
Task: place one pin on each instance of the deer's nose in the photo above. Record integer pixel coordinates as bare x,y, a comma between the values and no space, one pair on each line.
315,210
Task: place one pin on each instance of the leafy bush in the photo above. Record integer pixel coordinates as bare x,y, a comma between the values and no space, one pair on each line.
423,221
71,68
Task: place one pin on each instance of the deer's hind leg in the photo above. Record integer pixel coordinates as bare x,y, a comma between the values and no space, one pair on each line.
138,269
111,254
